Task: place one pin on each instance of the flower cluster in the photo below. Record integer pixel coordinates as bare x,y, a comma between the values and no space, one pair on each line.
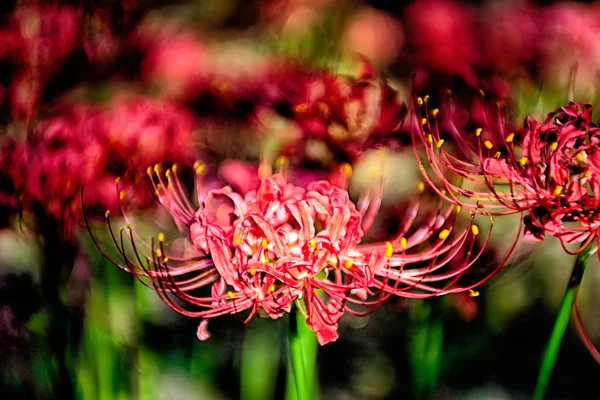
546,171
282,244
86,147
347,114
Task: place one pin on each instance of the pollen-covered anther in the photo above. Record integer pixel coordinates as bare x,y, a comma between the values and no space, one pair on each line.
348,264
420,101
440,143
523,161
488,145
478,132
107,214
420,187
264,243
429,138
473,293
554,146
121,195
403,242
510,137
444,234
230,295
117,180
435,112
558,190
161,237
475,230
238,240
252,271
424,121
389,249
158,252
346,169
458,208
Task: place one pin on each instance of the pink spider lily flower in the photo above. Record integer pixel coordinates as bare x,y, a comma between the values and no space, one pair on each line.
147,131
549,172
282,245
347,114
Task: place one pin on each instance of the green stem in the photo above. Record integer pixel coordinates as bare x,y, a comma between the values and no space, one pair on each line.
260,360
297,354
560,325
426,347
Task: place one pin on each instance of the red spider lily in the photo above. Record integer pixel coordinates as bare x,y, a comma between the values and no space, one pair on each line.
281,244
550,173
140,129
347,114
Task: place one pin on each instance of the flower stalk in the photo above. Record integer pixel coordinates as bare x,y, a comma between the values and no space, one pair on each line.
560,325
302,372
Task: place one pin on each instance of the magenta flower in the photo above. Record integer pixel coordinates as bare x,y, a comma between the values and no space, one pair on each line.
347,114
548,172
282,245
145,131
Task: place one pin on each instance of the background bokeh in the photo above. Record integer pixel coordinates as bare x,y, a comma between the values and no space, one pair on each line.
74,326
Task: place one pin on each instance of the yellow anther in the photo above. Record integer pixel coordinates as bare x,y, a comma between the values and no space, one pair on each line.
281,161
497,155
420,187
117,179
429,138
458,208
161,237
389,249
423,121
510,137
174,168
348,264
475,230
168,173
444,234
156,168
473,293
443,192
481,92
523,161
440,143
272,288
312,243
252,271
435,112
107,214
264,171
478,132
403,242
587,173
488,145
158,252
426,98
579,157
554,146
165,260
121,195
237,240
149,171
200,169
300,108
230,295
558,190
264,243
346,169
420,101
